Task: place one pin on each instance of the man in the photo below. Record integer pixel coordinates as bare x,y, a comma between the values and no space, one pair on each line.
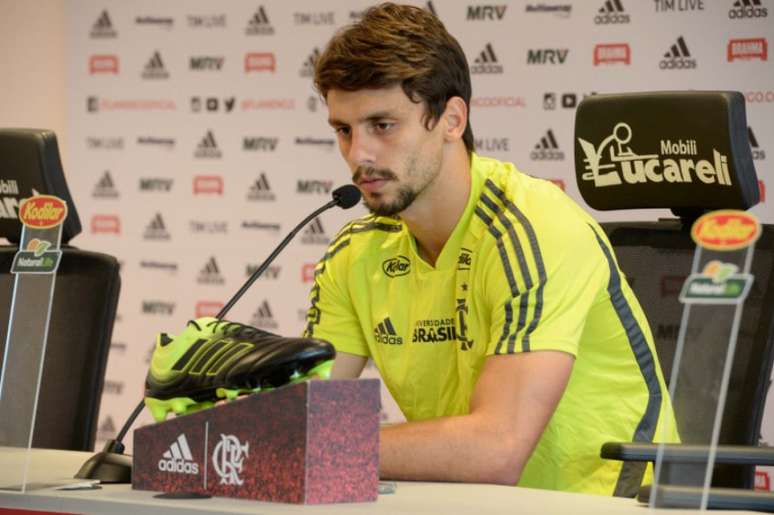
491,303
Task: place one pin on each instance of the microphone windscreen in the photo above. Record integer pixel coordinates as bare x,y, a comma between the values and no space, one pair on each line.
346,196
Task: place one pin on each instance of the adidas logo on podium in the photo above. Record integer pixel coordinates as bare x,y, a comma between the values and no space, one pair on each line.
486,62
677,57
260,190
314,234
747,9
259,24
178,459
208,147
105,187
156,229
154,69
210,274
611,12
103,28
307,69
385,333
263,318
547,149
758,154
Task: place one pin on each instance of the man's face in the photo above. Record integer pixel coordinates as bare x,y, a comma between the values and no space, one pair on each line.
393,157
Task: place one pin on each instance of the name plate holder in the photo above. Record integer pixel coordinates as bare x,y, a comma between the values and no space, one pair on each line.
23,350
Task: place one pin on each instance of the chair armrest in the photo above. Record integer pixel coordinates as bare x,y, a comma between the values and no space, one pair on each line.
680,453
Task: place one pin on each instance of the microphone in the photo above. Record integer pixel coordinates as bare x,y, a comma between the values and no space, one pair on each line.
111,465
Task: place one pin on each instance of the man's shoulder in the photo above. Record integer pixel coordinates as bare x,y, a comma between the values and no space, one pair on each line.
363,234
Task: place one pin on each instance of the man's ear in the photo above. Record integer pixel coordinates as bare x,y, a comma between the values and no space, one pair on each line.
455,118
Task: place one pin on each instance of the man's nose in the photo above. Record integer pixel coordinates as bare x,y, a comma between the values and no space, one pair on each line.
361,151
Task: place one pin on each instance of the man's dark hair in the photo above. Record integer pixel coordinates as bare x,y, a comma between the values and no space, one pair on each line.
398,44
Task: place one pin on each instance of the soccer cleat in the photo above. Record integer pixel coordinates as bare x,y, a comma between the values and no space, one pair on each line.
214,359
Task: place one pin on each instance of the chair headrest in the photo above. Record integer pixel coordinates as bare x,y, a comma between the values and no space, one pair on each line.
684,150
29,163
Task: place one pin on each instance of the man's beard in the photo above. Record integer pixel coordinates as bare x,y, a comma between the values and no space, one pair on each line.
405,198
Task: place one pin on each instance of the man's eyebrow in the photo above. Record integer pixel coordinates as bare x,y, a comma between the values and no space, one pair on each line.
378,115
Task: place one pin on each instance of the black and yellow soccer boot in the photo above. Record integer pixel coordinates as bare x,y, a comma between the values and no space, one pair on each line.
214,359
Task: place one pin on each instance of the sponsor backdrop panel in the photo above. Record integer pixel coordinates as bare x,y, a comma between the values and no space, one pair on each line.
197,142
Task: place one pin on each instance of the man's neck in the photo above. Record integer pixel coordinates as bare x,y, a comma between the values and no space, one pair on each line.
432,219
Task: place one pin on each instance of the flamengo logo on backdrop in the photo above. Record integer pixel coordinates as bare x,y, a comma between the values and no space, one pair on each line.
208,22
679,5
385,333
547,55
747,9
314,234
259,24
156,229
103,64
208,184
307,68
486,12
260,190
747,49
212,104
611,53
493,144
156,184
260,62
105,187
208,147
547,149
260,144
677,57
109,224
758,154
263,318
611,12
208,63
640,168
486,62
154,68
310,186
210,273
103,28
178,459
157,307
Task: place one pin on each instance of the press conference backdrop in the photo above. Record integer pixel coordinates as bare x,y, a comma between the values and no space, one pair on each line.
197,141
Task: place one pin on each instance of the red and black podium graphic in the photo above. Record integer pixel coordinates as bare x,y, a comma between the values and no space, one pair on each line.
313,442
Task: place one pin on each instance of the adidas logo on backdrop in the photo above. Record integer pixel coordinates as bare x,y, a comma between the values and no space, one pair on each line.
178,459
208,147
154,69
612,11
210,274
307,68
758,154
103,28
677,57
156,229
263,318
105,187
486,62
314,234
547,149
259,24
747,9
260,190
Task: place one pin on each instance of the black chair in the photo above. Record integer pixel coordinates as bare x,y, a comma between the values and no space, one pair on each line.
656,258
84,302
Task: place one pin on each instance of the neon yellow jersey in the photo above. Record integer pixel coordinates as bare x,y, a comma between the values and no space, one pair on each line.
525,269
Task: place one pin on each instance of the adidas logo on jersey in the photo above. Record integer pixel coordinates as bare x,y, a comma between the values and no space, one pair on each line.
259,24
154,69
677,57
611,12
210,274
307,68
547,149
178,459
103,28
260,190
747,9
156,229
105,187
486,62
385,333
208,147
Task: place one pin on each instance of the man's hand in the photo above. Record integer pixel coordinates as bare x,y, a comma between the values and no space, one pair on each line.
513,401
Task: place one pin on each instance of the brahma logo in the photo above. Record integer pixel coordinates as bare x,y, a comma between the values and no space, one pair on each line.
748,49
105,224
42,211
208,184
178,459
260,62
726,230
626,166
611,53
397,266
103,64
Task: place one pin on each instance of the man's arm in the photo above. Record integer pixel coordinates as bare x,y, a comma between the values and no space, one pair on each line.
348,366
513,401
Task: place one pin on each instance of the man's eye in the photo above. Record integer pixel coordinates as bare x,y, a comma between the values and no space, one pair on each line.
343,131
383,126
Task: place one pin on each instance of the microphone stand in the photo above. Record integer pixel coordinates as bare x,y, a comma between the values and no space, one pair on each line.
111,465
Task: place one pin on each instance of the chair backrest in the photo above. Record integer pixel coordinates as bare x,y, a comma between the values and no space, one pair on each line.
688,152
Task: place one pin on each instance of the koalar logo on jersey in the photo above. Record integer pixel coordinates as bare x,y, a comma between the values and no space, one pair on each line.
614,162
42,211
397,266
726,230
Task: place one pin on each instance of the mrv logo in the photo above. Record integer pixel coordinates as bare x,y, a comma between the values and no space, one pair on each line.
614,162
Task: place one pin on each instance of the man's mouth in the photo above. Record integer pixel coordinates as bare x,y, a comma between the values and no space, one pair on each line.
372,184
